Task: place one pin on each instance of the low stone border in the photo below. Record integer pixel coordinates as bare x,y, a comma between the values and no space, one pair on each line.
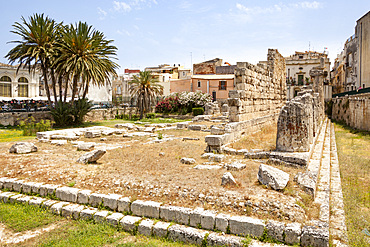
205,219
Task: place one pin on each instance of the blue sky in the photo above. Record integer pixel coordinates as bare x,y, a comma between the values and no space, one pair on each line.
153,32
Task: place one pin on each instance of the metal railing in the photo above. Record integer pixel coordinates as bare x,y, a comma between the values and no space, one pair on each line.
353,92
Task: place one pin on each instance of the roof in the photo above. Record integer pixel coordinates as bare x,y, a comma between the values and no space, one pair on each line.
363,16
7,65
213,77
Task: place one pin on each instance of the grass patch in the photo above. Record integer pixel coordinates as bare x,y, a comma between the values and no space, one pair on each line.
12,135
354,160
19,217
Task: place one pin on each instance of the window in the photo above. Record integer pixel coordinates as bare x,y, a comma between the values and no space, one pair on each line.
222,85
199,84
300,68
119,90
22,90
5,87
23,80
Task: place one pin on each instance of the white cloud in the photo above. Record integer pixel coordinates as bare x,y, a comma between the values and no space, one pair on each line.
102,14
127,6
121,6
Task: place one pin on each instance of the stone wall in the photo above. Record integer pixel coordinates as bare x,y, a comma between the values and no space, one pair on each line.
354,110
259,91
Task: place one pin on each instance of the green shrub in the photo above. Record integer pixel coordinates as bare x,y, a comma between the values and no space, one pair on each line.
29,127
150,115
134,117
198,111
62,114
79,110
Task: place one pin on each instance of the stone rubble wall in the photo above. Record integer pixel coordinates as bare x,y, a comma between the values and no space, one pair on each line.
259,91
354,110
75,204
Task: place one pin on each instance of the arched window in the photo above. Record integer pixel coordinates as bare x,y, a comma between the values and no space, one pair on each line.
5,86
22,87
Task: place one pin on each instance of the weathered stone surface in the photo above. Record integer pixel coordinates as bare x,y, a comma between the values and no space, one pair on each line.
185,234
23,199
92,134
187,161
176,214
88,213
160,229
275,230
2,179
114,219
272,177
306,182
57,207
145,208
72,211
197,127
222,222
36,201
4,197
58,142
91,157
228,179
111,201
129,222
48,189
35,188
235,166
124,204
48,203
100,216
207,219
14,199
242,225
146,227
257,155
67,194
86,146
23,148
83,196
314,236
27,187
8,183
195,217
293,233
216,239
216,158
96,199
207,167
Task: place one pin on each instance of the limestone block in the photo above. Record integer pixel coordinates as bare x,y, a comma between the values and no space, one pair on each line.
293,233
96,199
160,229
48,203
186,234
242,225
273,177
214,140
2,179
124,204
275,230
36,201
23,199
314,236
235,166
72,211
111,201
67,194
207,219
207,167
145,208
57,207
35,188
183,125
306,182
129,223
216,158
176,214
146,227
222,222
114,219
197,127
86,146
100,216
27,187
83,196
58,142
15,198
8,183
228,179
92,134
88,213
195,217
187,161
91,157
4,196
216,239
48,189
217,131
23,148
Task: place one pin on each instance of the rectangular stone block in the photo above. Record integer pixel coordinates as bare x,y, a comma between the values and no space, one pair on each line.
18,185
57,208
36,201
314,236
114,219
216,239
129,223
72,211
27,187
23,199
222,222
2,179
35,188
207,220
48,189
48,203
146,227
145,208
214,140
293,233
195,217
243,226
185,234
88,213
111,201
67,194
8,183
5,196
124,205
83,196
15,198
160,229
176,214
96,199
100,216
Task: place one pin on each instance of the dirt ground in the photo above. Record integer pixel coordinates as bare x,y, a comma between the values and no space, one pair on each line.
153,172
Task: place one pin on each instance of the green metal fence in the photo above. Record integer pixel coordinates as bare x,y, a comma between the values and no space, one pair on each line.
354,92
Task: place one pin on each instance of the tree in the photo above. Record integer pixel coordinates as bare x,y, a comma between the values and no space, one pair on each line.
85,55
37,46
145,88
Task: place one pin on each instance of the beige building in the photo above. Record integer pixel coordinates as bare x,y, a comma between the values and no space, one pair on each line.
18,85
120,86
363,35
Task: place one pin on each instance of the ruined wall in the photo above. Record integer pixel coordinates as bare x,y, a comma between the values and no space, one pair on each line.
259,91
208,67
353,110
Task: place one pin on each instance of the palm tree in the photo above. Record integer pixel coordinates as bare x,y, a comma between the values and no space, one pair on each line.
85,55
145,88
36,47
